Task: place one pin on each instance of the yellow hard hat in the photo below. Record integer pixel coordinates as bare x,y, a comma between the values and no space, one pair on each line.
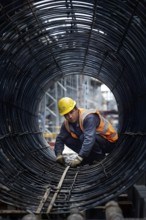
65,105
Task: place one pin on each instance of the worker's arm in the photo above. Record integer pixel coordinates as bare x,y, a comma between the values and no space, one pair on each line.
59,143
91,122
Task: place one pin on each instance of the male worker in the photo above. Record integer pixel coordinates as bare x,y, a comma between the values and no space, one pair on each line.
84,131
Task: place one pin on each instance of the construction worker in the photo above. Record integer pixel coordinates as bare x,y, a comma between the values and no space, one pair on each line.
84,131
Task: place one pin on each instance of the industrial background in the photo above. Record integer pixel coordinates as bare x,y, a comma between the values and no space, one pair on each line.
50,49
88,92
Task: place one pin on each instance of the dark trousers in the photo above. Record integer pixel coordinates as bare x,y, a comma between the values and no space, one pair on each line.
99,149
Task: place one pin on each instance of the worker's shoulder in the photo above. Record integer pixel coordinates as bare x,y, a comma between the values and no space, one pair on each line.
91,116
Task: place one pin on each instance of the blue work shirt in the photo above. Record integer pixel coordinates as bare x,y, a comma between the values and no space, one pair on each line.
87,137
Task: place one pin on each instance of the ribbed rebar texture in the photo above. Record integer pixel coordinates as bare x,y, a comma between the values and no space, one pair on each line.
43,41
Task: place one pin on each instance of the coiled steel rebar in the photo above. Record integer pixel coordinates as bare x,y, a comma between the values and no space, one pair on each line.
42,41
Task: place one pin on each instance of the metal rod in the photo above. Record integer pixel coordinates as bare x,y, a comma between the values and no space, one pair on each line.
42,202
58,189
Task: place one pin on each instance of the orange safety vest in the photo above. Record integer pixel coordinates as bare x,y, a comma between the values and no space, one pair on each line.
105,129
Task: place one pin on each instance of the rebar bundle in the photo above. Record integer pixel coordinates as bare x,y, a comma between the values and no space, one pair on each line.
42,41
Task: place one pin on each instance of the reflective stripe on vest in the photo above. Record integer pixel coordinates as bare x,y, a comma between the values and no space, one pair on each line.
105,128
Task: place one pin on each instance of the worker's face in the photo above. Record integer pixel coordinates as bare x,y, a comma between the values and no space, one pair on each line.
72,116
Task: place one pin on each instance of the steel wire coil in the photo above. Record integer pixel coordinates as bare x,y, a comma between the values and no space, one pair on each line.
42,41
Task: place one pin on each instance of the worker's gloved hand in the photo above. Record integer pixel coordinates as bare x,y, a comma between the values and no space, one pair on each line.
76,162
60,159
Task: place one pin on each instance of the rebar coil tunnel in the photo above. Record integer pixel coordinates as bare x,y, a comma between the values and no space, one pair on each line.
42,41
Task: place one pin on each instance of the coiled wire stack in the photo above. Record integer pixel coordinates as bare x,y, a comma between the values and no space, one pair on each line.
42,41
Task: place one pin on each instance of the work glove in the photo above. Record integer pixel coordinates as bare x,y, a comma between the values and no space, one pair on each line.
60,159
76,162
